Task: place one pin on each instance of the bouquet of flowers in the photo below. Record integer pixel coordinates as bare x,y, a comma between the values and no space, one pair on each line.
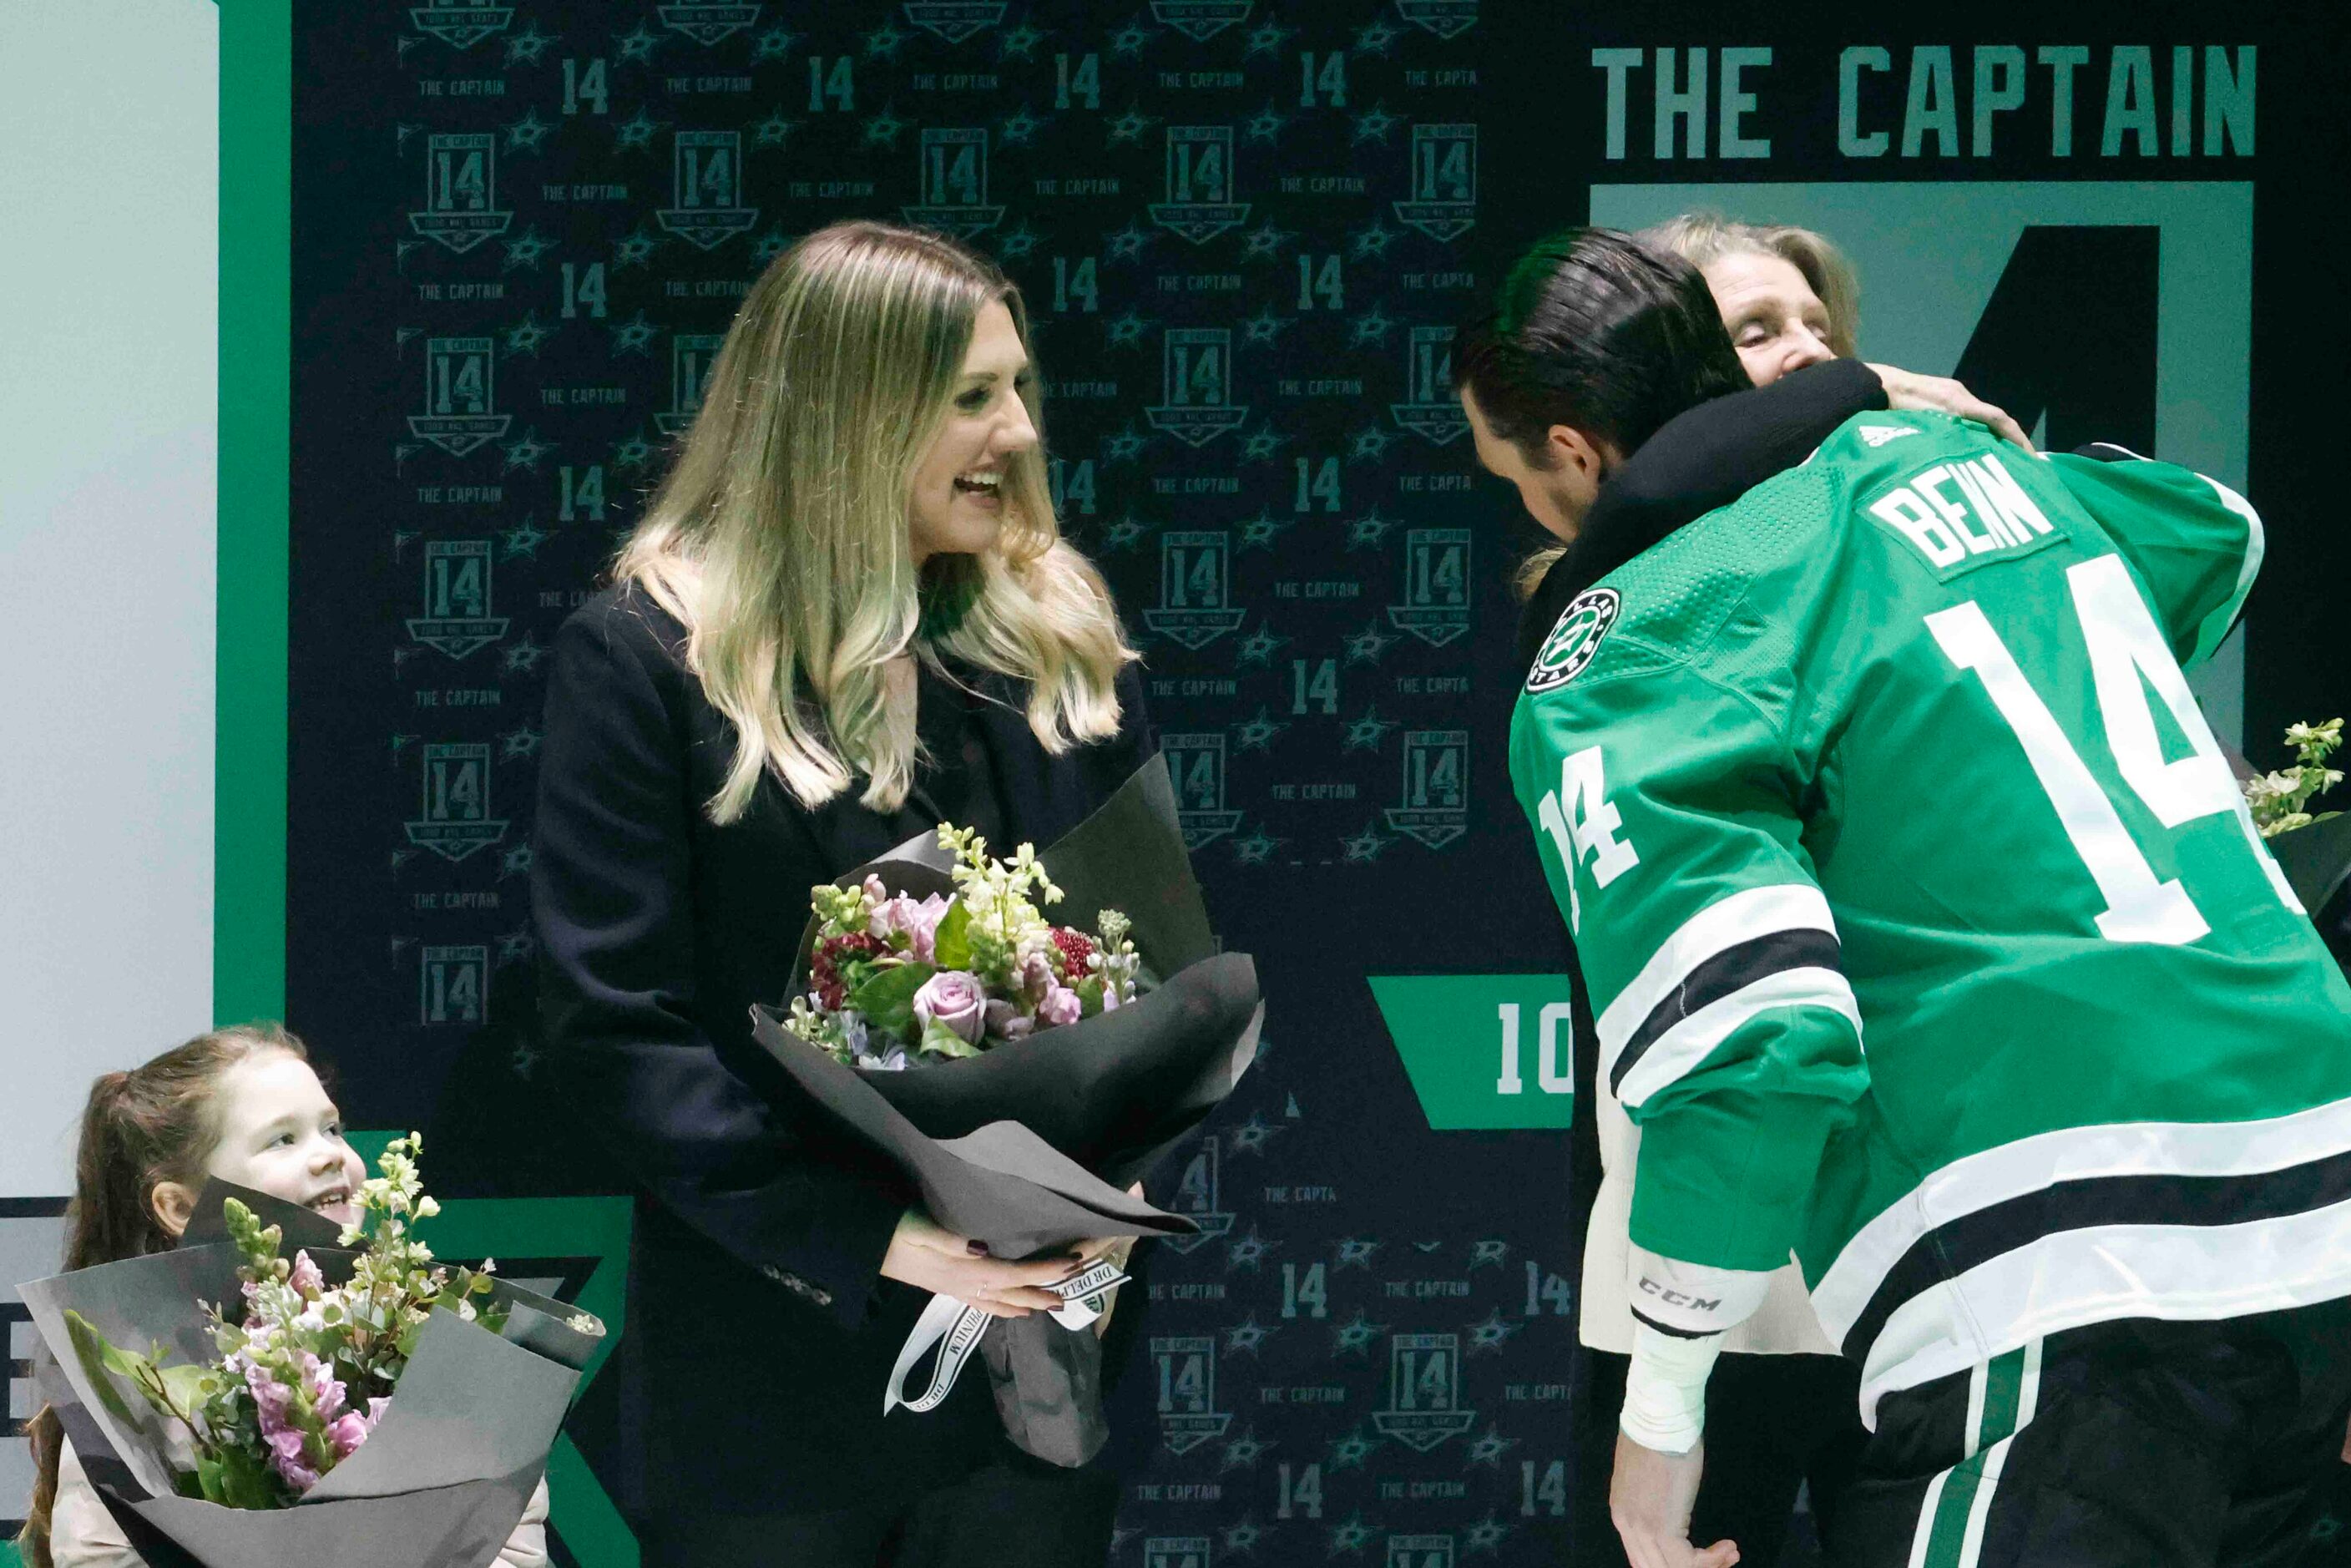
2313,849
951,976
317,1397
1052,1065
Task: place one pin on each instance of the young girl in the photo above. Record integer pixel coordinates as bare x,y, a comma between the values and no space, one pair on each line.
241,1104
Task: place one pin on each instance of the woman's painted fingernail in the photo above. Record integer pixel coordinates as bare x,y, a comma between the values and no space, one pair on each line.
977,1249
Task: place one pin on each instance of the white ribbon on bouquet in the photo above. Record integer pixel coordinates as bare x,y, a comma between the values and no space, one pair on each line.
956,1327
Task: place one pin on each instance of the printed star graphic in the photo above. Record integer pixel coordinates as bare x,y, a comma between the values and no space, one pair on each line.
1123,535
528,46
634,336
633,453
1241,1537
1489,1334
1350,1537
526,654
399,657
637,130
1262,443
1124,446
400,250
1370,444
1489,1450
1486,1535
1119,1537
1256,849
1264,327
638,45
884,129
401,133
1493,1251
527,249
403,45
1375,124
881,43
1018,243
1372,243
518,743
1376,38
1020,42
1019,128
1265,240
1252,1135
774,130
1365,847
1131,39
1258,734
525,134
516,861
1372,327
1355,1252
401,539
1357,1334
774,44
401,450
1243,1338
1267,38
1267,124
1370,528
1366,733
516,946
768,246
1261,531
1127,243
1366,646
1131,125
1258,648
401,743
634,250
521,541
526,452
1125,331
525,335
1354,1448
1247,1252
1243,1452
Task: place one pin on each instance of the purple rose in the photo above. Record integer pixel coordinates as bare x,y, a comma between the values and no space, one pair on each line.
954,1000
1059,1006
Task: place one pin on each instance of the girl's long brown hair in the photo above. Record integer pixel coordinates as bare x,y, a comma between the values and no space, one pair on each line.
156,1122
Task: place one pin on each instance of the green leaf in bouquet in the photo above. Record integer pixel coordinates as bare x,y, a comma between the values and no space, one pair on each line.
186,1387
98,1358
951,944
887,999
237,1477
1090,994
939,1040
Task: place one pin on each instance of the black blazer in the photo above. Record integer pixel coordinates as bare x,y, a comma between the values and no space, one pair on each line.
760,1331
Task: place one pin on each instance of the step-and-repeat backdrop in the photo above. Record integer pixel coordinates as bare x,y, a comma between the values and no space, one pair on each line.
1245,232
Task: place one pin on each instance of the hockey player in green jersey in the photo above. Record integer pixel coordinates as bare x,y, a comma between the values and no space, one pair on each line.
1927,938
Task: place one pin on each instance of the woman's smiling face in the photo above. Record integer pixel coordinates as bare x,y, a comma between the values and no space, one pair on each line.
957,507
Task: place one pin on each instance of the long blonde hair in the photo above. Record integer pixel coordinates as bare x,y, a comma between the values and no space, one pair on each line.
781,537
1701,238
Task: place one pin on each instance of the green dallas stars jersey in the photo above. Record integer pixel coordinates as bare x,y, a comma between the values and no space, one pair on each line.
1926,931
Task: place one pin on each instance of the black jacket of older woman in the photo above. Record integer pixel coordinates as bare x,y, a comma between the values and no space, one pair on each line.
760,1333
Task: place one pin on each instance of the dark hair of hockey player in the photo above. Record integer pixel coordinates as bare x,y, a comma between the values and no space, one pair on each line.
1594,331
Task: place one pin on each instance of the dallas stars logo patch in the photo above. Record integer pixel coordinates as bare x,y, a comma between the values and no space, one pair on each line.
1574,642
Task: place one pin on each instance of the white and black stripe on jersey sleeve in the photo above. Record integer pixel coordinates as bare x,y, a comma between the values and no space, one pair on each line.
1759,948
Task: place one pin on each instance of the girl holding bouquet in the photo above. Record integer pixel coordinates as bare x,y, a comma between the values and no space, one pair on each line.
244,1105
847,618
